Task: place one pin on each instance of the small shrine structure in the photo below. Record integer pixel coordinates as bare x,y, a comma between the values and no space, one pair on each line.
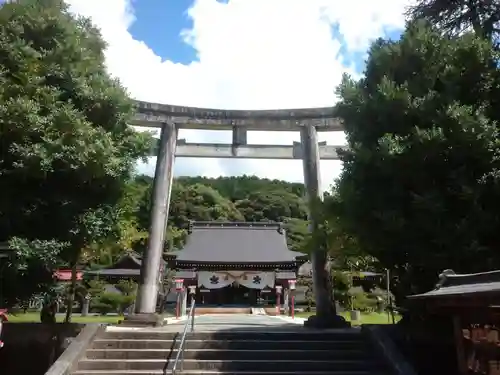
463,312
235,264
127,267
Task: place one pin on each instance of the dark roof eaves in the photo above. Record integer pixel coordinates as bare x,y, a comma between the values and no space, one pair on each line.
431,295
113,272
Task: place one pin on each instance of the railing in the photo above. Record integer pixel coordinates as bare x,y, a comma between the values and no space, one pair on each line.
180,351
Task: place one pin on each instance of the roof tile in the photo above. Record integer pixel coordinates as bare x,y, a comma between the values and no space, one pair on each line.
452,284
236,242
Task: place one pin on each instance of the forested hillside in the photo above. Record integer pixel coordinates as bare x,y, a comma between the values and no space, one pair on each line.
243,198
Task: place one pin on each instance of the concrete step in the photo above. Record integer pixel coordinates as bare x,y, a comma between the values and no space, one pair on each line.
311,344
231,365
337,335
203,372
228,354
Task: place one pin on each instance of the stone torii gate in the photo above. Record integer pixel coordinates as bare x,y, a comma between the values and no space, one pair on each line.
171,118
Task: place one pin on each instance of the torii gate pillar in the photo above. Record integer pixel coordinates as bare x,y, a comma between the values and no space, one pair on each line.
326,314
151,274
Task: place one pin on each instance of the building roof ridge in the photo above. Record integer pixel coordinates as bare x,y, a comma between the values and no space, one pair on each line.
274,225
452,279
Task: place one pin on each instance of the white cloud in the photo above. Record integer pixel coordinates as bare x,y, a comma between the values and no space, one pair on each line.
252,54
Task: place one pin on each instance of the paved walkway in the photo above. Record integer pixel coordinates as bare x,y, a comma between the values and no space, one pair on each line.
233,322
238,321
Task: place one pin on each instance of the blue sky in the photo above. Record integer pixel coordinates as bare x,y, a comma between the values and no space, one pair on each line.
159,23
241,54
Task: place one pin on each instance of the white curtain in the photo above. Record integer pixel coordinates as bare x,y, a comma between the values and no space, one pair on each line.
258,280
213,280
249,279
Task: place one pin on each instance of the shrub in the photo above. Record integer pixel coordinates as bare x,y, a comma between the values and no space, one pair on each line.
363,301
108,302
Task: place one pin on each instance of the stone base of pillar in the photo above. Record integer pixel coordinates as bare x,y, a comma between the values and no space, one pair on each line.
324,322
143,320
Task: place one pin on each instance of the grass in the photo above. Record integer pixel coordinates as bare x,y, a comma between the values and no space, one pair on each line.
366,318
34,317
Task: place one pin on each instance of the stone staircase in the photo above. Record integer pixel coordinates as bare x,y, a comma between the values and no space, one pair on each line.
283,352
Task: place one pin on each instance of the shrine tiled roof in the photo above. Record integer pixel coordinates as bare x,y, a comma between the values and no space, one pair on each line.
129,265
236,242
451,284
130,260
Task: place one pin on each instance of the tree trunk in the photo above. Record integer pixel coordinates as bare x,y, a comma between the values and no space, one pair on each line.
322,288
71,294
85,305
322,278
166,292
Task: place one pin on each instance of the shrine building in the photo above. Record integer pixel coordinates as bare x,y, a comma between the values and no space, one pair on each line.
128,267
243,264
461,315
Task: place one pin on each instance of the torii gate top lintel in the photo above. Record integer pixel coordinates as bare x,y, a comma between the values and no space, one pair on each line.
154,115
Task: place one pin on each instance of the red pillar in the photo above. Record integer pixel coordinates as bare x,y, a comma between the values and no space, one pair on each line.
179,287
177,306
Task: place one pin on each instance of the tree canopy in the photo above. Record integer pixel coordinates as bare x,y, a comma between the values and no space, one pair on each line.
422,174
242,198
458,16
67,148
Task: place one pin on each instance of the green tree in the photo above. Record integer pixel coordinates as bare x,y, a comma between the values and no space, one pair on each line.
297,231
29,270
422,171
457,16
237,188
195,202
67,148
247,198
201,203
127,231
276,205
